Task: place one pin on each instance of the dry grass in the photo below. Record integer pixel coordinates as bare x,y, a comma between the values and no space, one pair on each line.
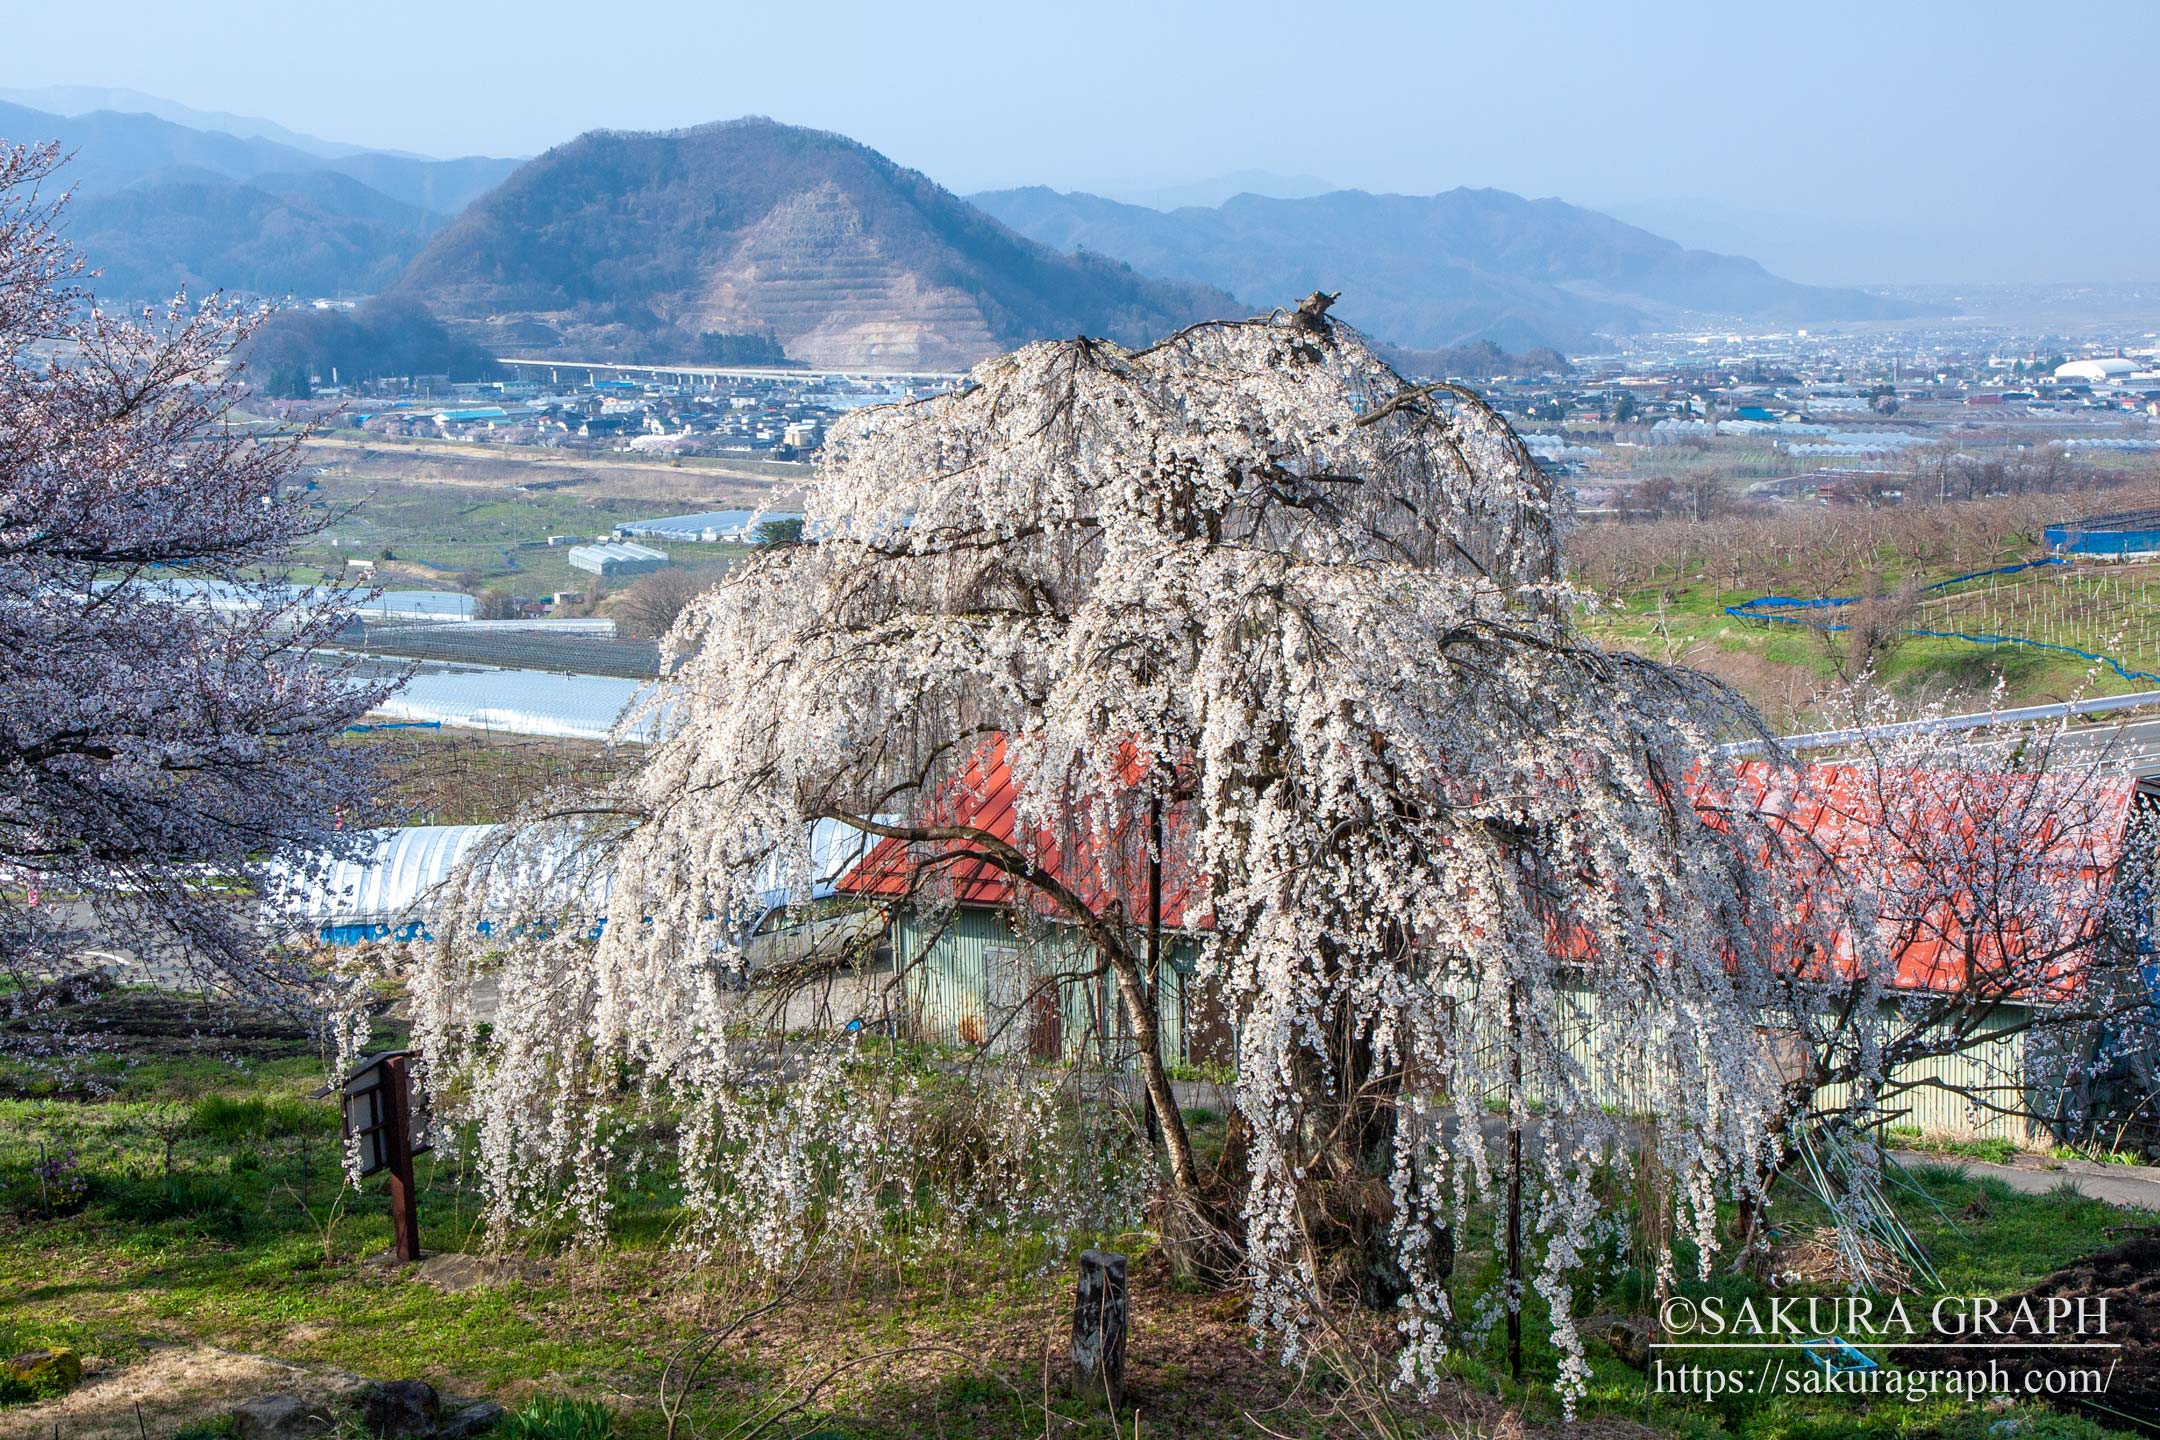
168,1387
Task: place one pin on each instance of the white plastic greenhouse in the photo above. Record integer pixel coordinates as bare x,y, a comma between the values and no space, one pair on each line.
519,702
392,888
385,891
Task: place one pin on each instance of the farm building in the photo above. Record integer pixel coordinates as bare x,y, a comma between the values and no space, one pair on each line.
523,702
392,888
2118,536
617,559
384,892
1950,862
984,962
708,527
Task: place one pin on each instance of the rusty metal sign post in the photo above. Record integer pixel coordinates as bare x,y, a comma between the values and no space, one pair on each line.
377,1099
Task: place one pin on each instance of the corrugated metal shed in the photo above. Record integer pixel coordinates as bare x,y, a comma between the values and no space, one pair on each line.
972,978
1106,869
1841,815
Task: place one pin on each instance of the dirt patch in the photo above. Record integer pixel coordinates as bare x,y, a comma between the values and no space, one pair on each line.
454,1271
172,1386
1192,1369
2127,1277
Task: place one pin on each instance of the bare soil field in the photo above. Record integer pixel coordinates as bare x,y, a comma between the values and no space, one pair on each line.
696,483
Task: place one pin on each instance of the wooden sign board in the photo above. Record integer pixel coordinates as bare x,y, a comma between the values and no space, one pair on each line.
381,1124
369,1117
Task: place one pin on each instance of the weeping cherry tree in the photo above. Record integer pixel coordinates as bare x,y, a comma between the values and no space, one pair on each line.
1251,580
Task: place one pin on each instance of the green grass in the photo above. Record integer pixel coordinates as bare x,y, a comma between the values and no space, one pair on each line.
498,533
1995,1151
1685,616
251,1242
1985,1239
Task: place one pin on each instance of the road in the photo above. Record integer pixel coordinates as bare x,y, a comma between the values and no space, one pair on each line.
2136,744
2135,1186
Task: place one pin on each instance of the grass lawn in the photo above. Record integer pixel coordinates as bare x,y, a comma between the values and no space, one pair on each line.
438,531
1688,625
249,1242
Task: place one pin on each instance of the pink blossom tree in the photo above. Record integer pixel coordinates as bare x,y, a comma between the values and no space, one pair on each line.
166,723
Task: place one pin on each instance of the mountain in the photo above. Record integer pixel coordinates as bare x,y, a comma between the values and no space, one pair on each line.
110,150
113,149
82,99
1434,271
316,233
1173,195
159,205
443,186
621,244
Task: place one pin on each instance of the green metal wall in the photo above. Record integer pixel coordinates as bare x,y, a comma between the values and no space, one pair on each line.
973,979
968,970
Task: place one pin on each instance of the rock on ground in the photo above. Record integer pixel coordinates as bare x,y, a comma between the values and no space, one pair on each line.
401,1409
280,1417
52,1372
176,1386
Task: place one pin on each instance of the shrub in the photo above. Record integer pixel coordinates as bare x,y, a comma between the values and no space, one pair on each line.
555,1418
224,1429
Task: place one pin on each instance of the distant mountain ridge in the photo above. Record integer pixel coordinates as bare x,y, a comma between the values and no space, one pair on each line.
620,245
316,233
113,149
656,246
83,99
159,205
1435,271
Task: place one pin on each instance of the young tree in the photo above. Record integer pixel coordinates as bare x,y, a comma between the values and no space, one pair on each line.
165,724
1992,885
651,606
1250,579
787,531
494,602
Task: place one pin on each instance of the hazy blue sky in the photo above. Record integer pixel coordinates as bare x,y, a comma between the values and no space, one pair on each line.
1884,141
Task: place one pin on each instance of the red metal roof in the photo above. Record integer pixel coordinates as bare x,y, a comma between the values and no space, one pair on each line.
1938,853
1105,865
1956,864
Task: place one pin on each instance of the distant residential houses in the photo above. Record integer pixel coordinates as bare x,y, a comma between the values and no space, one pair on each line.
609,414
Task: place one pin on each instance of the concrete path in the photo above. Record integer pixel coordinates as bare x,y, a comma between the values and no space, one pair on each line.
2137,1186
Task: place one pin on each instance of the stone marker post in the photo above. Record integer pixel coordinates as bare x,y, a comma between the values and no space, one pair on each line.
1098,1338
